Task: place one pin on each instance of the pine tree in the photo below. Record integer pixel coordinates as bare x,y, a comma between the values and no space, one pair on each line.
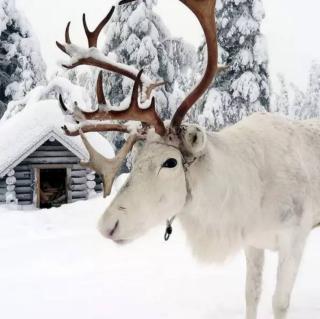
296,108
311,104
313,91
21,65
281,101
137,37
244,86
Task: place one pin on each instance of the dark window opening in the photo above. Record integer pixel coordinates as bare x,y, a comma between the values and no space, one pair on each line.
53,190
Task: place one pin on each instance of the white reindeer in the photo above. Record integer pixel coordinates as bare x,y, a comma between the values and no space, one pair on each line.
254,185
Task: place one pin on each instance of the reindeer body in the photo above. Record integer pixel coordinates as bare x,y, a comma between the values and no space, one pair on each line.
252,186
255,180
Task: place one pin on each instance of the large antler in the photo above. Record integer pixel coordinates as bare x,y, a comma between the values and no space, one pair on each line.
93,57
204,10
107,168
96,121
134,112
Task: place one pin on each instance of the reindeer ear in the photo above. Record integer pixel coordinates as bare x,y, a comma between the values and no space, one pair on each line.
193,138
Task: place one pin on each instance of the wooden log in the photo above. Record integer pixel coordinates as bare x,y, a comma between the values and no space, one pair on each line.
51,166
98,188
79,194
24,190
98,179
23,182
51,148
80,187
91,177
11,180
65,153
91,184
23,168
77,166
78,180
23,175
79,173
11,188
11,173
24,196
51,160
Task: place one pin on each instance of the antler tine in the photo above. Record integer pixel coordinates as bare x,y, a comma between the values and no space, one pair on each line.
152,87
204,10
106,167
133,112
99,90
62,105
93,36
66,38
125,2
67,33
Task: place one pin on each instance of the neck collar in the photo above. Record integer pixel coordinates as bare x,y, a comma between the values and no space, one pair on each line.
186,166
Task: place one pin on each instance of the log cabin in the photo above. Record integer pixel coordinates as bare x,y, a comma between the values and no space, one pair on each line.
40,165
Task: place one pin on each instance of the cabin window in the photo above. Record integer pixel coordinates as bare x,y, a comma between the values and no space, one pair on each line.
53,187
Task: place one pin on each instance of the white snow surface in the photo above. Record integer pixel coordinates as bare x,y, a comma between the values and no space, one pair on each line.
55,264
33,126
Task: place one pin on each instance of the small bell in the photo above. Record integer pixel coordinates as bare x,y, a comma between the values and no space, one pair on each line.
168,231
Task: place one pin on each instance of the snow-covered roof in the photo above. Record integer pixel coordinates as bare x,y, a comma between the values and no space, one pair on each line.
34,125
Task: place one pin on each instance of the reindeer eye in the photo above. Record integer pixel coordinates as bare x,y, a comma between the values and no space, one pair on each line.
170,163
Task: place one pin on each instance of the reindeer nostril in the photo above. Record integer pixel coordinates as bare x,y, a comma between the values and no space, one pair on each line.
111,233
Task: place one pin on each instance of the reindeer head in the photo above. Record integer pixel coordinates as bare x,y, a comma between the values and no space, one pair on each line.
157,188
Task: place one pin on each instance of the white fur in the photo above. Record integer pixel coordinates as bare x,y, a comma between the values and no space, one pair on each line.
254,185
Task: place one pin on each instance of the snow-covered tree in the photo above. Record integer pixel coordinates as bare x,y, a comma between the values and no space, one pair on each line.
137,36
297,100
244,86
21,64
281,102
310,101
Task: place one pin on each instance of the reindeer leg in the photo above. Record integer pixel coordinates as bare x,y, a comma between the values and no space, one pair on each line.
255,262
290,254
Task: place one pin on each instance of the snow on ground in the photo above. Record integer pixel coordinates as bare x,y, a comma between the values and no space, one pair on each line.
54,264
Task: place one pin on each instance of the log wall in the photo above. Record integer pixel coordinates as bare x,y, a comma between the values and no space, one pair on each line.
50,153
3,190
24,184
